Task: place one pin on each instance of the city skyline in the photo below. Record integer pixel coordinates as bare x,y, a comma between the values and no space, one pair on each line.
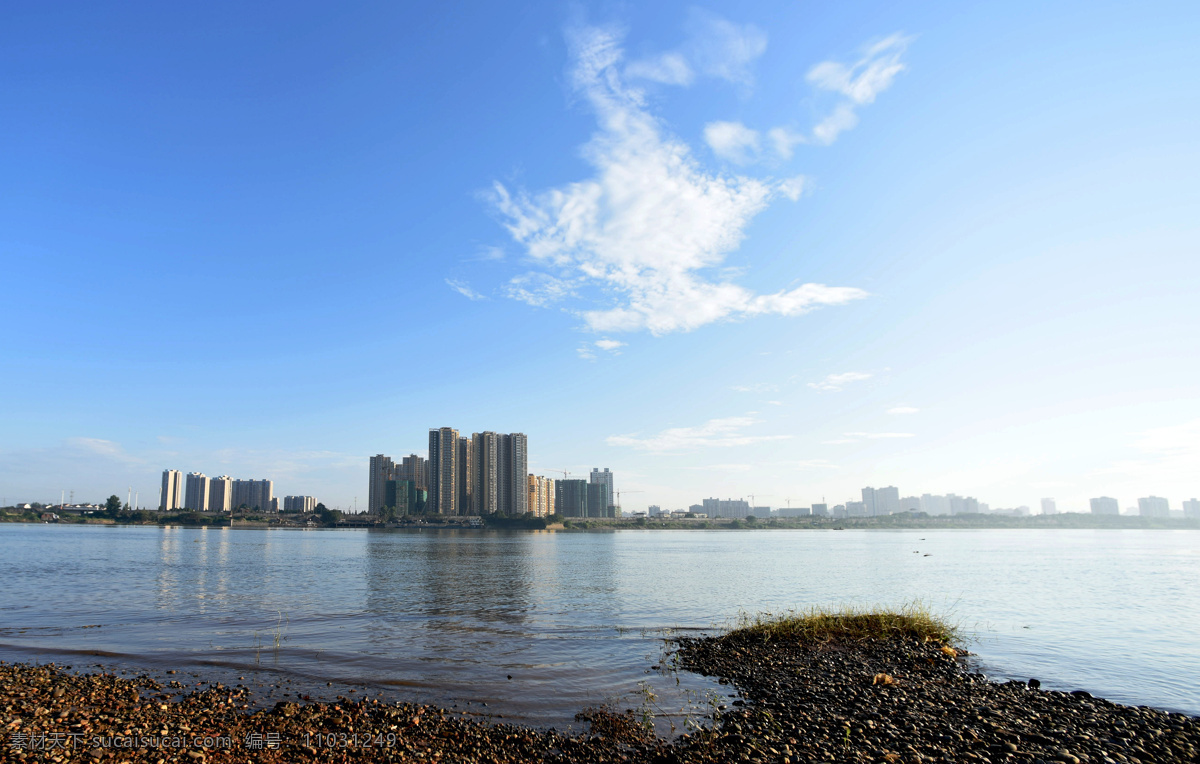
733,249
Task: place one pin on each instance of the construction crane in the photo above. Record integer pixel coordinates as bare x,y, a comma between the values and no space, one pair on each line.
619,496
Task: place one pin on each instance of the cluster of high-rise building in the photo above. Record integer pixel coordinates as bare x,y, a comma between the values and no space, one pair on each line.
484,474
200,493
1147,506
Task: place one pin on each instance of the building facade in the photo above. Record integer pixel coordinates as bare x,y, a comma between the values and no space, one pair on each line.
737,508
1105,505
1191,509
256,495
381,470
570,497
220,494
443,471
172,491
299,503
1153,506
1049,507
195,492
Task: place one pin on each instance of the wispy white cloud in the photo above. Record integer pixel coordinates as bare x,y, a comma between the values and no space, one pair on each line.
757,387
651,225
489,253
880,435
903,410
859,83
669,68
540,290
464,289
732,141
856,437
609,345
841,119
723,467
729,431
835,382
784,141
793,188
814,464
722,48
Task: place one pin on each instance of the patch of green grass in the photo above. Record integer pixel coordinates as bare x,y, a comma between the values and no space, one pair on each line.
849,624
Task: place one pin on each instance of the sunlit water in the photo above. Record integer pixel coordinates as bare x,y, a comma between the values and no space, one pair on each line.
578,618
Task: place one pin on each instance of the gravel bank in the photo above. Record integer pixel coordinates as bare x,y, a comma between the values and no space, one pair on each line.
875,701
902,700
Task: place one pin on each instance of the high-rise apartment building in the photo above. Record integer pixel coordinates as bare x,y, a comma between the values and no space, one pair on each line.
443,471
514,473
1049,507
910,504
257,495
195,493
605,478
172,490
570,498
599,504
1191,509
299,503
1105,505
880,501
220,494
541,495
726,507
465,487
382,469
1153,506
485,472
414,468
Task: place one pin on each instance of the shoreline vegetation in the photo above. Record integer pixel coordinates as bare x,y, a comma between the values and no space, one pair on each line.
850,686
335,519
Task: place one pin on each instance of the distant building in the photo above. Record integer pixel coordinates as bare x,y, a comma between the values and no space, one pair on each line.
910,504
935,505
406,497
220,494
1153,506
571,497
381,471
172,490
763,512
793,512
257,495
1105,505
1049,507
541,495
599,503
414,468
299,503
195,493
880,501
734,508
466,490
1191,509
856,509
820,510
443,471
696,509
605,478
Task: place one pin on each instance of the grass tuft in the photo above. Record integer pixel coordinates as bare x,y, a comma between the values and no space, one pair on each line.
850,624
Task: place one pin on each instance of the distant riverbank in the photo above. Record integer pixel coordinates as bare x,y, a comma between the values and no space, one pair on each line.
906,520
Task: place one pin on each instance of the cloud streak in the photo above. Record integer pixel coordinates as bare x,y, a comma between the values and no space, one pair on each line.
464,289
836,382
650,228
858,83
715,433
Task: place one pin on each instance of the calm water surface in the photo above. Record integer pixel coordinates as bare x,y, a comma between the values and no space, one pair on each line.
579,618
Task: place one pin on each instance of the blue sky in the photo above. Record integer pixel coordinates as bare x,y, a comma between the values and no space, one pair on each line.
777,248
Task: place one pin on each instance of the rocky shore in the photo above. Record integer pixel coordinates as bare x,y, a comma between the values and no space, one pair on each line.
900,699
